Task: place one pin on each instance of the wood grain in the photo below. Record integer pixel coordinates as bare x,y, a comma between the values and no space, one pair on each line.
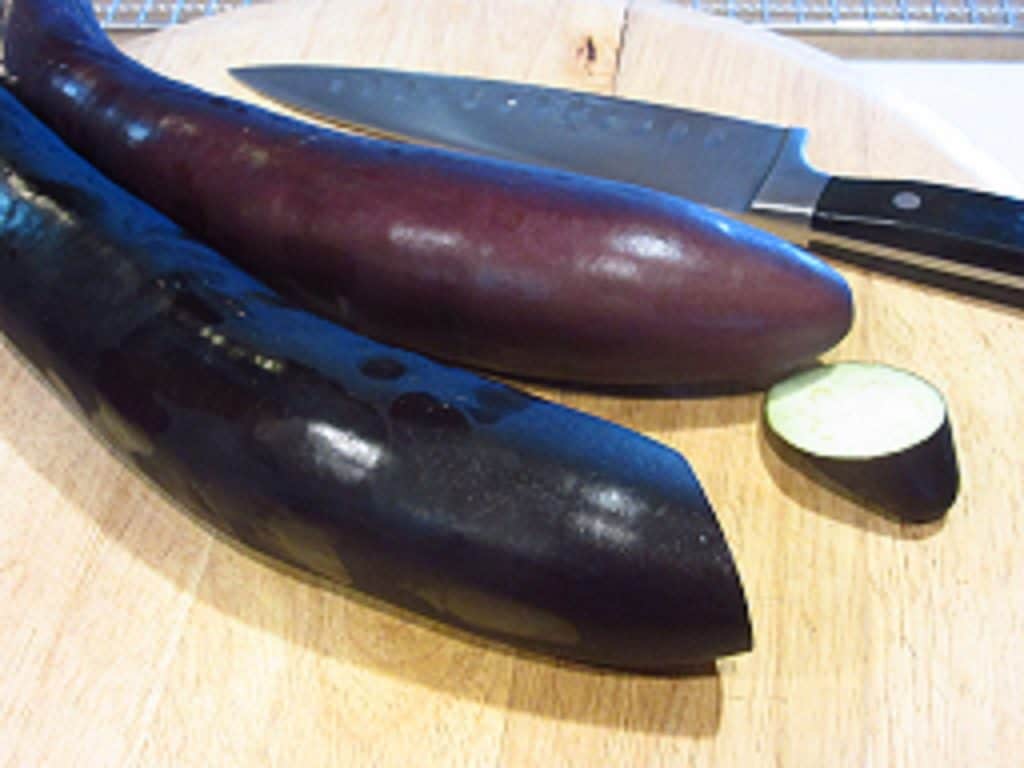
134,636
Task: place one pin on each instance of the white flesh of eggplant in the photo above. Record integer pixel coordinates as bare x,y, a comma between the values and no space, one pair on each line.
855,410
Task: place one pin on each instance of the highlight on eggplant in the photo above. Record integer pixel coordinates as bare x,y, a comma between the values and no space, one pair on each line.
441,492
879,434
504,267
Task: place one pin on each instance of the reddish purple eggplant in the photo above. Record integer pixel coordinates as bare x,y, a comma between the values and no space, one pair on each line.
434,489
507,268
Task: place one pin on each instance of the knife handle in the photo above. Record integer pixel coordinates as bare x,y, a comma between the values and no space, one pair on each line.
970,242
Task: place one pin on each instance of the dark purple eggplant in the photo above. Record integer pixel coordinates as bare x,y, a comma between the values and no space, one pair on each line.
503,267
877,434
434,489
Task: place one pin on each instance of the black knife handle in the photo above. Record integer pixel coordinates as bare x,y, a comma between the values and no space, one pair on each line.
971,242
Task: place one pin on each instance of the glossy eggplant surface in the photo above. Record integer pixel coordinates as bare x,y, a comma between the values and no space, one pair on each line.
431,488
503,267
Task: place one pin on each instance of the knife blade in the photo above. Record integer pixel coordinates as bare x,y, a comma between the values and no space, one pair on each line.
958,239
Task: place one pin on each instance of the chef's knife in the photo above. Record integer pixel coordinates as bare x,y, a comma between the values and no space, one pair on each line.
960,239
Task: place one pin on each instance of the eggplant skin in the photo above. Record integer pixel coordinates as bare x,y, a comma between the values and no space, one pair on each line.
431,488
918,484
498,266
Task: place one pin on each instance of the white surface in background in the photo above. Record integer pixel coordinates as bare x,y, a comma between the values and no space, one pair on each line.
985,101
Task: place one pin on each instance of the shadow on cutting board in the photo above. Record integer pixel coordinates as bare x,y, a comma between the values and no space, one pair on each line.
334,623
659,414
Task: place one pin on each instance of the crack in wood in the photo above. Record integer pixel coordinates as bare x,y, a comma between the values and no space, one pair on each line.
623,34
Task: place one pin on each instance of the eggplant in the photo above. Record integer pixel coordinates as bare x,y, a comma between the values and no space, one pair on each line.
878,434
431,488
503,267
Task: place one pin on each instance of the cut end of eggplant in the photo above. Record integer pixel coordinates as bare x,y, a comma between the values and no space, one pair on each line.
880,434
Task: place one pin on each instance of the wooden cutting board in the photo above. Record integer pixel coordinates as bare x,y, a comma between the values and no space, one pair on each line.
132,636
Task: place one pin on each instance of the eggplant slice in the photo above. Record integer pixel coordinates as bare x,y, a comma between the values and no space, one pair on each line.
879,434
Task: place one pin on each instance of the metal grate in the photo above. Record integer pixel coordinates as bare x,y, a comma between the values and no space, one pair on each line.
151,14
936,16
909,16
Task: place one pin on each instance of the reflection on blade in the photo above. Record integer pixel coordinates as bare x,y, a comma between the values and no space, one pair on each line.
714,160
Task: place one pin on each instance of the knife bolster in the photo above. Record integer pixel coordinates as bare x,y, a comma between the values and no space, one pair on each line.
789,194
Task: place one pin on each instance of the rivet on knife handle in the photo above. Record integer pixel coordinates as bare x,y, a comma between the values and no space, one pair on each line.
957,239
967,241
